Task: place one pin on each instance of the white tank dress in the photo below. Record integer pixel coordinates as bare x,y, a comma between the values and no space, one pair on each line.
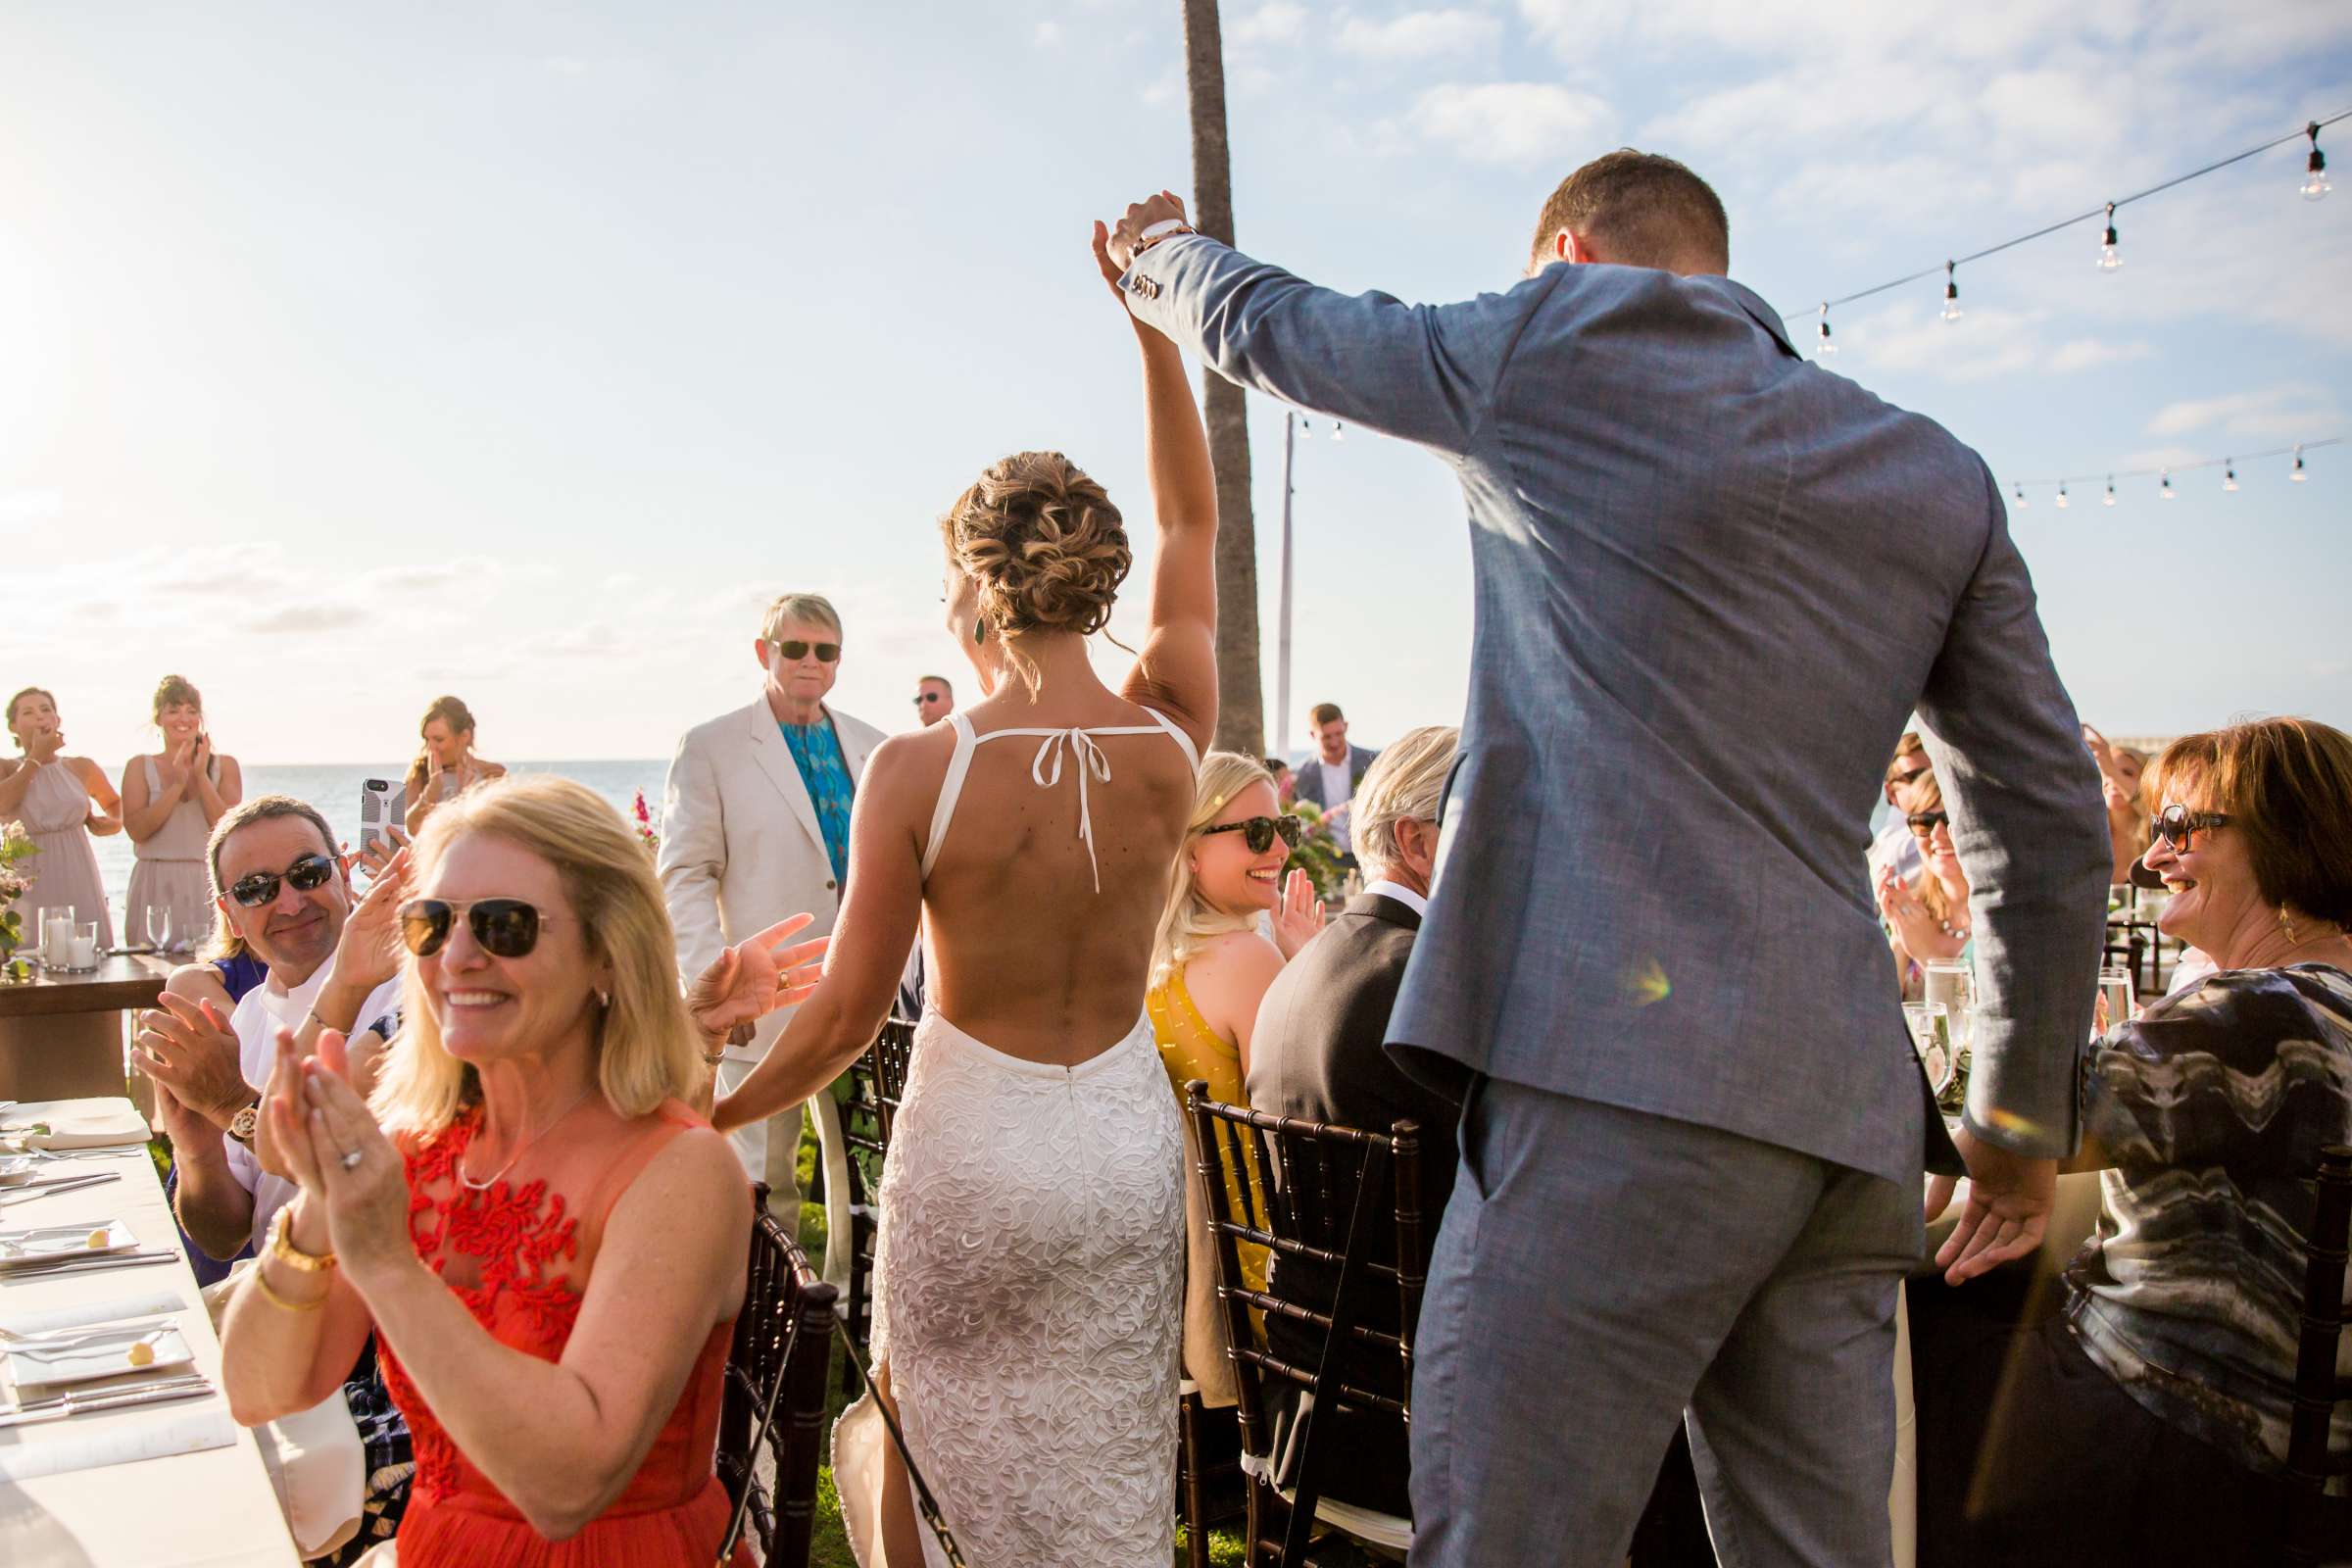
1028,1284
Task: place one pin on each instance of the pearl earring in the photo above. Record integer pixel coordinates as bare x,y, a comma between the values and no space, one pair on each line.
604,998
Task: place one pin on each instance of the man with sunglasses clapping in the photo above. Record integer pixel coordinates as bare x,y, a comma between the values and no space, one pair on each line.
755,826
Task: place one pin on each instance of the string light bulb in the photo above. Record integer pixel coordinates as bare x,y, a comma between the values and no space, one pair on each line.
2021,498
1951,293
2164,487
2109,257
1306,428
1338,432
2229,475
2109,499
2315,175
2297,475
1822,349
2061,500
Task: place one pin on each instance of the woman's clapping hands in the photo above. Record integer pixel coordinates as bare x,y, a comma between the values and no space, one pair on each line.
351,1177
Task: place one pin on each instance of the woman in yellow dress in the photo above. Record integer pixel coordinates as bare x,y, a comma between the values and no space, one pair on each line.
1210,967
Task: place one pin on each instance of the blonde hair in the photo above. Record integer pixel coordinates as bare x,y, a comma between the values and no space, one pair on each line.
798,606
1043,547
1189,920
1406,784
647,1048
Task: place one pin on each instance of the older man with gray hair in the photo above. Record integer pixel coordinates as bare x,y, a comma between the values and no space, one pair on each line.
756,827
1318,1051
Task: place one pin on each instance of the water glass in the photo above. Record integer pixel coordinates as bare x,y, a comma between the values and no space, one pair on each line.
1931,1028
2115,998
156,920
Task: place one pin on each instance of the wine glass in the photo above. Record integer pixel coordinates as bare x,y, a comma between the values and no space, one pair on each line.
1931,1027
2115,998
157,920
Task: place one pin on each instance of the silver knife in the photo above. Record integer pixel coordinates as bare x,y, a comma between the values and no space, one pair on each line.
70,1404
82,1265
56,1184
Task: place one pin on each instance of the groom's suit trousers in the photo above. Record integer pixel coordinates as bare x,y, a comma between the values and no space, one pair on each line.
1598,1271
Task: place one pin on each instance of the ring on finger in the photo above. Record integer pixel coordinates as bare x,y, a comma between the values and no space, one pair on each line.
352,1158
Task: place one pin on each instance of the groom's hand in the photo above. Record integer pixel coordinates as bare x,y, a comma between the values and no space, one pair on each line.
2010,1197
1128,232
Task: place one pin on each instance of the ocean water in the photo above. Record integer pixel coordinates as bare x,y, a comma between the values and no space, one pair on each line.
335,788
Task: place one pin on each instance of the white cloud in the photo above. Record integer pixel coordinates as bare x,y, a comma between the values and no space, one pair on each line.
1418,34
1275,22
1987,341
32,506
1511,122
1048,36
2090,353
2284,412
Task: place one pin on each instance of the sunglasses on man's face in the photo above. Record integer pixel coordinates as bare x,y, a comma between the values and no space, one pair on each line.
1924,824
925,699
305,876
504,928
2175,824
796,650
1259,832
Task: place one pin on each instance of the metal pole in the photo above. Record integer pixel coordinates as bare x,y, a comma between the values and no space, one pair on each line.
1282,656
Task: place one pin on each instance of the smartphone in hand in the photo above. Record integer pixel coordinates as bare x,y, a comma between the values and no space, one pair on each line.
379,815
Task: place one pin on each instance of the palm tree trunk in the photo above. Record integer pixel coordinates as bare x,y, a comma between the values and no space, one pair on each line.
1241,699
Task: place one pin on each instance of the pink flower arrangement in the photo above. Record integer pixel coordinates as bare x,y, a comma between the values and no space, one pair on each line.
645,826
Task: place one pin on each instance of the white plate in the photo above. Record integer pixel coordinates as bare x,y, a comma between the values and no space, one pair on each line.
39,1244
84,1355
18,1168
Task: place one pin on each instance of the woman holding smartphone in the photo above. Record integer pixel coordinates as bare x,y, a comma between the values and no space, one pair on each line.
169,804
445,767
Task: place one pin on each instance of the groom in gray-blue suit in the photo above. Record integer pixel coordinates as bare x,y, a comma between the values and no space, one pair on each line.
1712,583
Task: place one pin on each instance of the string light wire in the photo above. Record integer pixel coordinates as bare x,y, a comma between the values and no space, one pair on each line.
2163,470
2105,211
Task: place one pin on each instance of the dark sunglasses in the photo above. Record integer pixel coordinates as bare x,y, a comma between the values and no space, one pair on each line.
1924,824
827,653
1259,832
505,928
305,876
925,699
2174,824
1908,775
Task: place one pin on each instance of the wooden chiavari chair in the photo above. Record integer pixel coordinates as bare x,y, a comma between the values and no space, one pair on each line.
774,1397
2305,1536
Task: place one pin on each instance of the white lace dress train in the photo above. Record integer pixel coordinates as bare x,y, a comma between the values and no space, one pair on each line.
1028,1297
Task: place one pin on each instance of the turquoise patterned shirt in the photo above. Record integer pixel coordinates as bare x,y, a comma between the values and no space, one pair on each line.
826,772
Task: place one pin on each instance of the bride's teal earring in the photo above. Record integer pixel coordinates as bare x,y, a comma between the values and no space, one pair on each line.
979,633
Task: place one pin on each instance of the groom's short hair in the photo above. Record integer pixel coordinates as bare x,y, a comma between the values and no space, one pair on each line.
1644,210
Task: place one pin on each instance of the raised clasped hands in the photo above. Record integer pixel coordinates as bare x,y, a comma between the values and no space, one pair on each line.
1116,248
334,1148
189,1051
2010,1197
1299,918
755,977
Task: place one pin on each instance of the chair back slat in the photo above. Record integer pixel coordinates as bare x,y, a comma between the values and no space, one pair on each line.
1335,1189
776,1374
2306,1526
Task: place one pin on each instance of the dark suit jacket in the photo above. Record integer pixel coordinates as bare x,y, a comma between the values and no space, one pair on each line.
1309,774
1318,1053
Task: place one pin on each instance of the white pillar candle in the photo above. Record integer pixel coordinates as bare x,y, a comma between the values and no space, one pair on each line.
84,953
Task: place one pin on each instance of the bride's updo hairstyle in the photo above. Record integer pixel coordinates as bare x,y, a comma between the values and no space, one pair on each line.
1044,549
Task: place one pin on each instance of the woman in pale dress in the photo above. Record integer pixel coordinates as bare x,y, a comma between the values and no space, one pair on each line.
1028,1288
64,802
169,804
445,767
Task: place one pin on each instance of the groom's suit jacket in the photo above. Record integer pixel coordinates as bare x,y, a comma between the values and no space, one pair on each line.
1308,775
1712,582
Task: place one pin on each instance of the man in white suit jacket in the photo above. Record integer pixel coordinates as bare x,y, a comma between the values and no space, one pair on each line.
745,840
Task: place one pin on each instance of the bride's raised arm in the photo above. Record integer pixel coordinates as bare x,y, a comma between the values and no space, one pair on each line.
1177,669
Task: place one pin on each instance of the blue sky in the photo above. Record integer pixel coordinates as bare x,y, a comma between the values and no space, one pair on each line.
354,354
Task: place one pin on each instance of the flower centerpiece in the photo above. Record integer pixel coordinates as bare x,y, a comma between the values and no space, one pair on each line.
15,844
644,824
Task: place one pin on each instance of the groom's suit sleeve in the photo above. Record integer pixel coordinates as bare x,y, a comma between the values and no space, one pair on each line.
2032,832
1425,373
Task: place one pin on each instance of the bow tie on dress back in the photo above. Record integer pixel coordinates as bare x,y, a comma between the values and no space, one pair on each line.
1046,773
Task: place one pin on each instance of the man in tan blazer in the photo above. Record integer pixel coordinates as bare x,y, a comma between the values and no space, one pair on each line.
755,826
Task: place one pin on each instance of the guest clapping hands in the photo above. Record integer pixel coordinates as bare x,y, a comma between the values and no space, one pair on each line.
1928,916
548,1244
446,765
2120,772
171,801
64,802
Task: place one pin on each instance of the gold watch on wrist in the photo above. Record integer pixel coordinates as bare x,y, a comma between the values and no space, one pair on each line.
282,1247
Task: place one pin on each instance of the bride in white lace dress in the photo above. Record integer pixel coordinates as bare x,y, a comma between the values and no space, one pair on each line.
1028,1292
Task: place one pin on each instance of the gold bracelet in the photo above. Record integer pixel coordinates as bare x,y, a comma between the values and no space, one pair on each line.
282,1247
279,1301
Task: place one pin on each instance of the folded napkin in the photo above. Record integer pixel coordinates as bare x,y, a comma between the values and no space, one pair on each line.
46,1452
92,1129
315,1458
151,1305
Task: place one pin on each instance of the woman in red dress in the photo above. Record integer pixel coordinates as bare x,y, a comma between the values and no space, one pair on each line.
547,1242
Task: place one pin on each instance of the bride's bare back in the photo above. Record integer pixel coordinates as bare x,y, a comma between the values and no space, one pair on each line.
1036,949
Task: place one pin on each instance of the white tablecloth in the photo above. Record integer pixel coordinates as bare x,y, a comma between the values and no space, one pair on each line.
190,1510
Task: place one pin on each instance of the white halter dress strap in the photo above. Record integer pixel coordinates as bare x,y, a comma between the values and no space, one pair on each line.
1044,771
